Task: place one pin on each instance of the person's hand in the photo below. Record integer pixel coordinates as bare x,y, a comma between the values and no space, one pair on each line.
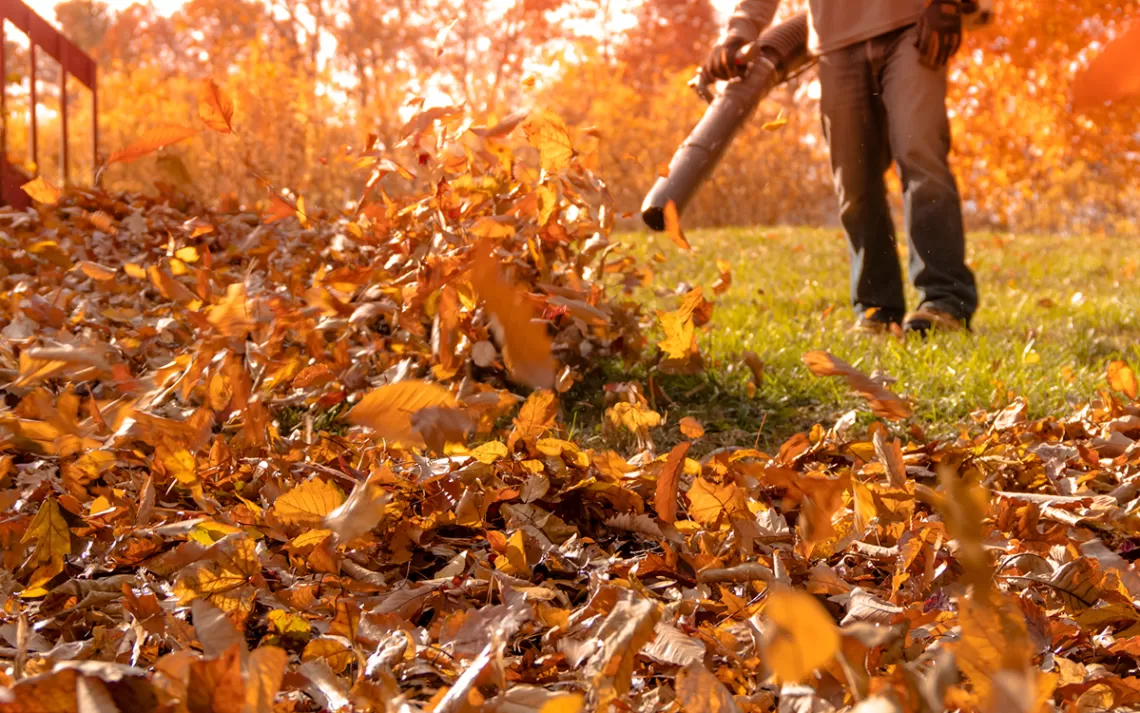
939,32
721,64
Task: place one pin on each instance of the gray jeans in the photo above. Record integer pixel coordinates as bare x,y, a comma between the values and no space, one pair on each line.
879,104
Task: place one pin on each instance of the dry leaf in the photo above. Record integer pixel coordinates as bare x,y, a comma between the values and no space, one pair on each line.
673,227
803,636
547,133
41,191
307,504
1121,378
691,427
665,499
151,141
388,410
215,108
884,403
701,692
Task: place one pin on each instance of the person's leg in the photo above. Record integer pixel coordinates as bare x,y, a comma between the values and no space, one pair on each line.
855,128
915,100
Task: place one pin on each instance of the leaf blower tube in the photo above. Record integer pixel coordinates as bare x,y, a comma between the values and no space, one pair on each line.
779,51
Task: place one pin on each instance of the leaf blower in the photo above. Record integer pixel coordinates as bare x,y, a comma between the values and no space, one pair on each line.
773,58
780,53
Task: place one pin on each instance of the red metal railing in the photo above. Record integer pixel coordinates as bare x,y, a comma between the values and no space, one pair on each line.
73,62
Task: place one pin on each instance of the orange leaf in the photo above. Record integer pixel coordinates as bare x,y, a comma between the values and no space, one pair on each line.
1112,75
279,209
691,427
1123,379
673,227
665,499
41,191
151,141
884,403
528,347
215,108
389,409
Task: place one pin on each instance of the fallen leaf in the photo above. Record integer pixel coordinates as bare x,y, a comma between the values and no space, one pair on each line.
1121,378
665,499
307,504
41,191
803,636
388,410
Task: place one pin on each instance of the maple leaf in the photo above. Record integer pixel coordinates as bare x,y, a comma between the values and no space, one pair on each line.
41,191
151,141
215,108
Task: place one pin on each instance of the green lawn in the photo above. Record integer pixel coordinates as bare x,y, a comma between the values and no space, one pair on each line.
1054,312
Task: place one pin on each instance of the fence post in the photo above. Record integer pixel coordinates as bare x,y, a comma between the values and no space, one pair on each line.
33,100
63,112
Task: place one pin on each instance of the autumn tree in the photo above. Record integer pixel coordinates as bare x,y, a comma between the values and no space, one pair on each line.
669,35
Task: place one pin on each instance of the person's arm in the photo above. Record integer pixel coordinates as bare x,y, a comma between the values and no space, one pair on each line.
748,20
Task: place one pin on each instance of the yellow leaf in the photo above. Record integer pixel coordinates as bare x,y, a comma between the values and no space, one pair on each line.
187,254
337,655
680,334
699,691
513,562
1123,379
389,409
775,124
309,538
37,583
50,533
41,191
691,427
673,227
635,418
209,532
151,141
528,348
95,271
134,270
308,503
232,314
803,635
535,418
181,465
547,133
489,452
565,703
487,227
288,624
215,108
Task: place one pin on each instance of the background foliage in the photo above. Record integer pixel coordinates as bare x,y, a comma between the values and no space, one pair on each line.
312,77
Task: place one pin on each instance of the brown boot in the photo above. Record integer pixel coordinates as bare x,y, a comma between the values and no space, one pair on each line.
926,319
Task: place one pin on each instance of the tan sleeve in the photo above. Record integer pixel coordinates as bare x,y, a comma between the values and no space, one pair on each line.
750,18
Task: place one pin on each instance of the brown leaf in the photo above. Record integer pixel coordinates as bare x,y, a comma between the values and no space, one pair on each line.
362,511
265,672
1121,378
215,108
535,418
803,635
665,499
891,456
884,403
151,141
528,347
308,503
699,691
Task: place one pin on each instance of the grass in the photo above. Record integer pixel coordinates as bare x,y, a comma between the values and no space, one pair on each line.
1055,310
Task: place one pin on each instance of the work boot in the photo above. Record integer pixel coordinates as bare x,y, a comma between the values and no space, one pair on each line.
877,321
926,319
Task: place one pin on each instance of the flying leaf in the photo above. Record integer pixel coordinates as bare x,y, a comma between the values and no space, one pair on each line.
1123,379
775,124
96,271
691,427
41,191
529,349
665,498
709,501
265,672
884,403
279,209
362,511
699,691
513,561
673,227
308,503
215,108
214,630
388,410
547,132
151,141
231,315
803,636
535,418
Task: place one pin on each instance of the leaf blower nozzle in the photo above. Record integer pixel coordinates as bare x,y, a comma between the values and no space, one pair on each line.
771,59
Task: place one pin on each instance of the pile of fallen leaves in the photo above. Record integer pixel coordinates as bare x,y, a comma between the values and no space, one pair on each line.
275,461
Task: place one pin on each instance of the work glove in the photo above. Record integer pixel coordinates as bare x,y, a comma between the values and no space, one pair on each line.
721,64
939,32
